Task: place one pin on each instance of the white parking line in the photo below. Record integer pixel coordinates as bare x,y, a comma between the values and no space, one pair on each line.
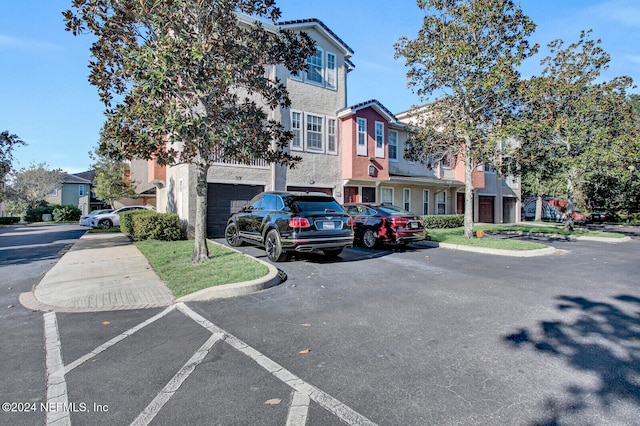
299,410
57,399
329,403
174,384
117,339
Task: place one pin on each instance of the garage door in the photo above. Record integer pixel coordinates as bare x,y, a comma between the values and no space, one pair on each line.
485,209
222,200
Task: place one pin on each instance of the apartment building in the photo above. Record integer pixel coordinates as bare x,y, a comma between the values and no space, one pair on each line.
354,153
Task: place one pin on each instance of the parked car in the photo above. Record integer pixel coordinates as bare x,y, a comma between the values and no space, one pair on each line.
579,218
384,223
286,222
85,219
109,220
601,217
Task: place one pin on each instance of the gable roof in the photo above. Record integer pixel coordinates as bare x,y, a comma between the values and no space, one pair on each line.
318,24
372,103
74,179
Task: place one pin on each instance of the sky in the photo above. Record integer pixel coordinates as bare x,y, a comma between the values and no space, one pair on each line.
46,100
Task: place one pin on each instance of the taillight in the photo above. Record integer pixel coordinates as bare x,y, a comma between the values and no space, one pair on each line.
299,222
398,222
350,221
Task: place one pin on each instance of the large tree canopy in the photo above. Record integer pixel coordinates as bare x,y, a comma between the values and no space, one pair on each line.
572,125
465,56
184,79
110,182
34,183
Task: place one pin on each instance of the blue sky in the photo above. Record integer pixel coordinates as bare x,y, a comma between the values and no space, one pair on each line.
45,97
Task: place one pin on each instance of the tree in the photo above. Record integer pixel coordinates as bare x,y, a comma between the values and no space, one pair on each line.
110,182
8,142
570,121
34,183
468,50
188,81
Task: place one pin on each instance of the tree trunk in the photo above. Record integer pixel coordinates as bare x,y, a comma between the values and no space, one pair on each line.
568,223
538,217
468,194
200,250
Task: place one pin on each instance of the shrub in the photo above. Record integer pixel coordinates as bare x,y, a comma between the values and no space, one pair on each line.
126,219
442,221
157,226
66,213
34,214
8,220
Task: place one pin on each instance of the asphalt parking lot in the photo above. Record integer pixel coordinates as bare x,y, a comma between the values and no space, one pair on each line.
413,336
432,336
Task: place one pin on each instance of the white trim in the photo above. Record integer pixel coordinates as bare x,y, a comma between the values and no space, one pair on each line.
379,126
406,201
395,132
392,195
362,148
425,200
307,131
332,124
444,193
301,129
320,67
331,73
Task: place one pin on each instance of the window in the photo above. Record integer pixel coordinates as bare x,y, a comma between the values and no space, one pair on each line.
80,190
379,139
314,133
362,136
386,195
315,68
425,202
332,74
441,203
406,199
331,136
393,145
296,128
447,160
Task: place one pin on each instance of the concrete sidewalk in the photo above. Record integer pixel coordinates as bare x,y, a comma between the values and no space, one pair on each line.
106,272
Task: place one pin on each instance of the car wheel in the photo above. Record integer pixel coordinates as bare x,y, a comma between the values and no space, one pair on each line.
332,253
105,224
232,235
273,247
369,239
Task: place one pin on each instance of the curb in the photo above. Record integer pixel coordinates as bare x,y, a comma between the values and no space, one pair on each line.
273,278
605,240
498,252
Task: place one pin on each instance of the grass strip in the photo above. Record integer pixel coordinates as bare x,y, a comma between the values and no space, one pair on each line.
545,229
456,236
172,261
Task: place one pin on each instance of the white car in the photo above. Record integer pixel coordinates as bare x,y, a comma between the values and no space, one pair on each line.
85,219
109,220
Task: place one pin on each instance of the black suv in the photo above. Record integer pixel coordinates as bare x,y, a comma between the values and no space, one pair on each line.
284,222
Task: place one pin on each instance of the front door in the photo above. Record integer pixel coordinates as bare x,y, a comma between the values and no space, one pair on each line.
368,194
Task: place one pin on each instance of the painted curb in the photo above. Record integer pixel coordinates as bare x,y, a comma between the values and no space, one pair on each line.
498,252
273,278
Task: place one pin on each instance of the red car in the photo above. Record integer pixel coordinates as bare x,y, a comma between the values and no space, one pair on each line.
375,224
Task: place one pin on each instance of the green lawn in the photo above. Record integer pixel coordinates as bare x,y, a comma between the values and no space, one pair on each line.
456,235
172,261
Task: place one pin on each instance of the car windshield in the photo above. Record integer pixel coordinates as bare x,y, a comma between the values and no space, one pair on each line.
395,211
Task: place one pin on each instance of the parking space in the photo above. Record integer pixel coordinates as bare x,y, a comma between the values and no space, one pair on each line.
167,365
